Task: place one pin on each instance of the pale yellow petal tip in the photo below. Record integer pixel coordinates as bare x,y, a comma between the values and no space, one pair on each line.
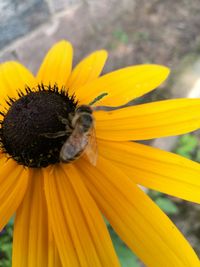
159,68
103,52
160,71
12,63
60,47
164,70
63,44
16,70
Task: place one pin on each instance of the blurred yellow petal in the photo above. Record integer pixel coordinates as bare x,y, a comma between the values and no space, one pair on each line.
87,70
123,85
14,77
13,184
137,220
53,255
57,64
156,169
80,232
33,245
148,121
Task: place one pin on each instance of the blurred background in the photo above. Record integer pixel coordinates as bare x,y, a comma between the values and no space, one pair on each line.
134,32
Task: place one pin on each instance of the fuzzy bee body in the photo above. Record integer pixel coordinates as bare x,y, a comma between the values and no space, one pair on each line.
82,138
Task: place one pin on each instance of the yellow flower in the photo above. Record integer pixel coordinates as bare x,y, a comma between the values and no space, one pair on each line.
59,206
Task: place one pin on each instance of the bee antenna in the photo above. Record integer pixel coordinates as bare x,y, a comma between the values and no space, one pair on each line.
98,98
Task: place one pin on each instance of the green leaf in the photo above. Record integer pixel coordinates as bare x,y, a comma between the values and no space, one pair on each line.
187,146
181,151
126,256
106,221
188,142
6,245
189,138
167,205
198,156
154,194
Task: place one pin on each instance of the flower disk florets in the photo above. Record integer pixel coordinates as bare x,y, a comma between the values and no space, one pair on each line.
28,126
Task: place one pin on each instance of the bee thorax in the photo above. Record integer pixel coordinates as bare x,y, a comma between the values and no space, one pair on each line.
83,121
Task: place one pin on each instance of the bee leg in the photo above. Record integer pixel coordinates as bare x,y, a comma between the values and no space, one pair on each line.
65,120
71,116
68,129
55,135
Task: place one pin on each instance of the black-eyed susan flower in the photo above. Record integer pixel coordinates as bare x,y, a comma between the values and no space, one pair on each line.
59,206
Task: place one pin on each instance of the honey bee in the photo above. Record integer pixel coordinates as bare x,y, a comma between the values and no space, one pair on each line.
82,138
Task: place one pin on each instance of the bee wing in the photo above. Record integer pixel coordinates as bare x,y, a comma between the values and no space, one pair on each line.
73,147
91,148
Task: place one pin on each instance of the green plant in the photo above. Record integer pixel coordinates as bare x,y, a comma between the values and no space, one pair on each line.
187,146
6,245
125,255
165,203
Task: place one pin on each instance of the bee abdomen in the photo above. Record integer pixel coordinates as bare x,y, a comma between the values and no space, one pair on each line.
69,160
69,153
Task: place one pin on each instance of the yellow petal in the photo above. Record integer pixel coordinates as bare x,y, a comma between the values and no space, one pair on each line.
13,78
57,64
123,85
137,220
13,184
156,169
33,244
79,230
147,121
87,70
53,255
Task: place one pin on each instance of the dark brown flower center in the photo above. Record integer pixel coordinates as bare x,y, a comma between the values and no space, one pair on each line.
28,127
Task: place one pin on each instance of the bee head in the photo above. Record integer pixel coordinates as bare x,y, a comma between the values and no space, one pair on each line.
84,109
